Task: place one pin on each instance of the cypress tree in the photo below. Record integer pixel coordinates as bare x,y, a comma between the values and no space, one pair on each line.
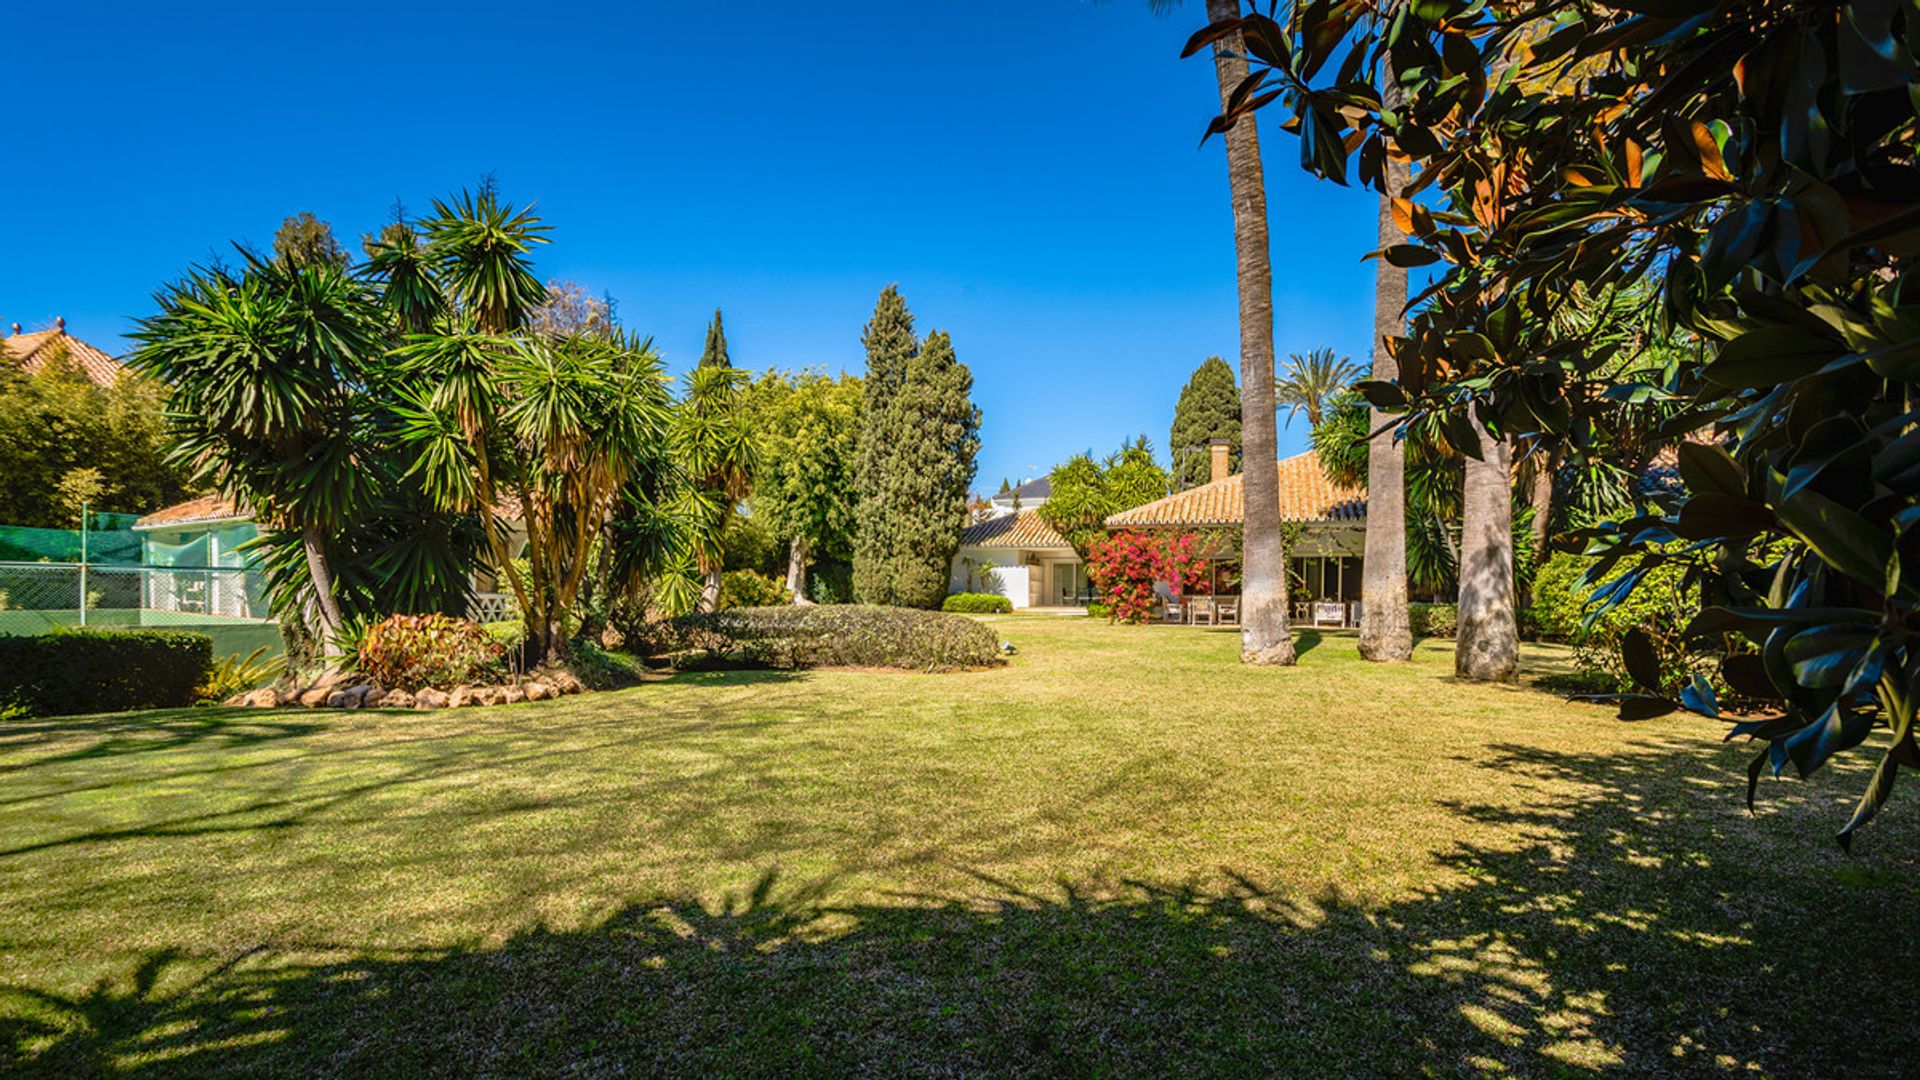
1209,408
938,429
889,342
715,354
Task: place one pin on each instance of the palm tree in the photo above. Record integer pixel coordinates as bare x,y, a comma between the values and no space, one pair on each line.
1310,381
1264,635
1488,639
267,371
1385,633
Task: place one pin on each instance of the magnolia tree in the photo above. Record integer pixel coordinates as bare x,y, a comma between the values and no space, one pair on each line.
1125,566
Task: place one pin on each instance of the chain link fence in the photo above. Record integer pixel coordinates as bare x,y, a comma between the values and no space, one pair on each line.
228,604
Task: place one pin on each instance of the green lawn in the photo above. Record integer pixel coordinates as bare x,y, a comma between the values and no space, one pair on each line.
1122,853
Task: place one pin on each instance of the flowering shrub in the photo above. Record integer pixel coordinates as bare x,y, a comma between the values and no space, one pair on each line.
412,651
1124,567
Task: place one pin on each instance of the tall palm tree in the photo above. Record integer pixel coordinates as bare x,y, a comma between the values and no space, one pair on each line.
1264,635
1307,383
1385,632
267,370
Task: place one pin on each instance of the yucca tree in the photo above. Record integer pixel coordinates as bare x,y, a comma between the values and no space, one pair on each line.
1307,383
269,368
718,452
551,431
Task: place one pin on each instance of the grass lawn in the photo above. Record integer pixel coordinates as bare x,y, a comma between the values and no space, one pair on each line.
1122,853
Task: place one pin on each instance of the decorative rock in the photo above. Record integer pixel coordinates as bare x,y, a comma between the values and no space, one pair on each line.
566,683
264,698
539,691
487,695
343,699
429,698
289,695
359,692
461,697
512,695
315,697
396,699
374,698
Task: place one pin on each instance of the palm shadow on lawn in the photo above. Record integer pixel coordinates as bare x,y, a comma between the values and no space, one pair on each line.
1593,943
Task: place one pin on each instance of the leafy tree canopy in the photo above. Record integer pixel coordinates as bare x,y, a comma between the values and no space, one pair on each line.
1086,492
1209,408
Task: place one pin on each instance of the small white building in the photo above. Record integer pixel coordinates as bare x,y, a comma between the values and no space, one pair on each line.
1020,557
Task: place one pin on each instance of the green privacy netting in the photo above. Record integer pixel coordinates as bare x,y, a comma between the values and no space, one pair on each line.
218,546
110,540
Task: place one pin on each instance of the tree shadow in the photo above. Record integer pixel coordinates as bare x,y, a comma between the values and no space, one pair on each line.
149,732
1638,925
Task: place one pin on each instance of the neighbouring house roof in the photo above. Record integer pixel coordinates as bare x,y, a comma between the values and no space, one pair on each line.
35,351
1306,495
1031,493
1021,530
214,509
205,510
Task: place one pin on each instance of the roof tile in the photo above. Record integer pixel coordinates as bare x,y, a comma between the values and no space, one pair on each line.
1305,495
1021,530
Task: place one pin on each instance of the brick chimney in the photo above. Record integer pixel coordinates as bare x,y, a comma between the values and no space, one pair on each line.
1221,451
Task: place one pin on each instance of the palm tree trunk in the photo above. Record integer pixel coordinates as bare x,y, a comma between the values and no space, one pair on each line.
710,592
797,569
1545,463
1488,645
1385,634
1264,636
325,604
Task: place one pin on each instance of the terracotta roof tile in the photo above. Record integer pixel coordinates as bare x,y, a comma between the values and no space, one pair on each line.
35,351
206,508
1305,495
1021,530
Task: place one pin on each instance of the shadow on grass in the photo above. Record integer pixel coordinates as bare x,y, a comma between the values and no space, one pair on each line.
152,731
1627,928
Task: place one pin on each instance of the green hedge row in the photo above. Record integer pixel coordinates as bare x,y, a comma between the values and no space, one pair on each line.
1433,620
90,671
977,603
825,635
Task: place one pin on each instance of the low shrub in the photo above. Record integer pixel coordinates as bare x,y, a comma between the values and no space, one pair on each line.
1099,611
977,603
600,668
236,674
831,635
750,588
1433,620
412,651
87,671
1661,605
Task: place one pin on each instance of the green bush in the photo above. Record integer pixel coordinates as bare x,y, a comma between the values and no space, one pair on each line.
603,669
412,651
750,588
831,635
1099,611
977,603
1662,606
88,671
1433,620
1559,601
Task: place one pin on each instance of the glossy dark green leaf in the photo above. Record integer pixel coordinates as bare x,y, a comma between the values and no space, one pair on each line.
1712,515
1642,663
1707,467
1772,354
1843,539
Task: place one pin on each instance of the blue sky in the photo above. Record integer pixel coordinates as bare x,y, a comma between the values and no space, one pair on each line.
1029,173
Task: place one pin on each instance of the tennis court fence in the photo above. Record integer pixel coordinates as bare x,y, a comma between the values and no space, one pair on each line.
229,604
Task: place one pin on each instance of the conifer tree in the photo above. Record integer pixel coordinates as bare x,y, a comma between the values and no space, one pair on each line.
890,347
933,467
715,353
1209,408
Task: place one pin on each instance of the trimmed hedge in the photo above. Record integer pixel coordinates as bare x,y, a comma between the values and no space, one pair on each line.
828,635
977,603
1433,620
74,671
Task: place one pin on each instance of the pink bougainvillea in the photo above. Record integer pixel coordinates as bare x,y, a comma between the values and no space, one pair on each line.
1125,566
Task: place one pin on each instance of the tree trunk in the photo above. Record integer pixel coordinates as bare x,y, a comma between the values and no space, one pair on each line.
710,592
325,604
1385,633
1545,463
1488,645
797,570
1264,637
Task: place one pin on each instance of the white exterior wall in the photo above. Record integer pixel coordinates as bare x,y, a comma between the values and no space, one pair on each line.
994,570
